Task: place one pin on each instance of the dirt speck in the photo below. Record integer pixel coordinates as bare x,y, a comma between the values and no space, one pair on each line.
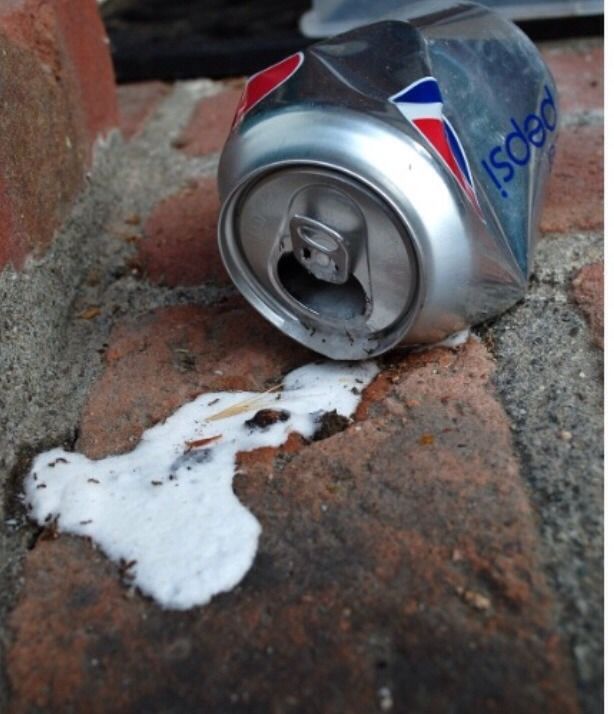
329,424
474,599
266,418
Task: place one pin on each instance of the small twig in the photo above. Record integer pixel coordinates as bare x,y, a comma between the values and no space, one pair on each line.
197,443
244,406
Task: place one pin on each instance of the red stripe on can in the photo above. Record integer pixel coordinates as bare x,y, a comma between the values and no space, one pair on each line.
264,82
433,131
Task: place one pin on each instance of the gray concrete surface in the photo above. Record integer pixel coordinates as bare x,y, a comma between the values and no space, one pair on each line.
550,379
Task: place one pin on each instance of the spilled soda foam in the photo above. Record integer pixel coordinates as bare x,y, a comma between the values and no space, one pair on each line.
166,510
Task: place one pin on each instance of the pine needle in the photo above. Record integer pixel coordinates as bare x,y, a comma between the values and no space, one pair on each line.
245,406
197,443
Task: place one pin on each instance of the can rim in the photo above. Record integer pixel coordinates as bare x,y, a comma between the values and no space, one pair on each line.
282,318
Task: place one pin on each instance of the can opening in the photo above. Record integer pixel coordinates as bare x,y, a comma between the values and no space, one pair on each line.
331,300
322,256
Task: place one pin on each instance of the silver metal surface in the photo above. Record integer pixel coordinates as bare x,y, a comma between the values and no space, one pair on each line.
346,220
321,250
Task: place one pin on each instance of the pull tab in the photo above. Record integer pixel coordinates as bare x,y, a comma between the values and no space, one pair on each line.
320,249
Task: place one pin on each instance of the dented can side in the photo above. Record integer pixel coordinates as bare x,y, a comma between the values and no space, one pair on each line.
384,186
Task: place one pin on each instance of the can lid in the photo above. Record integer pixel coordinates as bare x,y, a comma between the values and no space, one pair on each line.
322,256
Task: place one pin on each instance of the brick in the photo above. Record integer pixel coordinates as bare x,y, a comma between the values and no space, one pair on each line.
179,246
157,362
578,73
388,561
32,26
587,291
137,103
39,182
86,45
574,199
57,85
210,123
73,47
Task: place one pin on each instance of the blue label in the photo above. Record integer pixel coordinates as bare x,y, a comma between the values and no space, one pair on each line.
529,135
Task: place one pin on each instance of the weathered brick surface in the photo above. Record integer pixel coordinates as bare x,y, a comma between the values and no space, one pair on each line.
39,181
137,103
85,45
587,291
72,48
58,95
210,123
399,554
574,199
180,238
578,73
399,566
158,362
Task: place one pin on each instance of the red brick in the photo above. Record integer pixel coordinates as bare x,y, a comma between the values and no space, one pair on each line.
158,361
386,559
39,182
180,238
58,87
574,199
32,25
87,48
210,123
12,247
74,47
578,73
587,291
137,103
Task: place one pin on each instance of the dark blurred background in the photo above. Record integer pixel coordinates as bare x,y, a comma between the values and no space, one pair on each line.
183,39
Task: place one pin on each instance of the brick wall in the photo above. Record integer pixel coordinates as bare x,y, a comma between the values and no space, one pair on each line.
58,97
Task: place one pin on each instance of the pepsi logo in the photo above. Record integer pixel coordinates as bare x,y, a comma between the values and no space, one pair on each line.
421,103
527,136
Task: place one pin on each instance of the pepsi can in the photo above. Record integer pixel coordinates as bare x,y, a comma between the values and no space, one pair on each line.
384,186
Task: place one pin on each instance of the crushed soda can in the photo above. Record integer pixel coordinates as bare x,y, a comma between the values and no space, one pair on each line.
384,186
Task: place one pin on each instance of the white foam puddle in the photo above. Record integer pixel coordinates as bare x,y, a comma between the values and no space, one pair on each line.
166,510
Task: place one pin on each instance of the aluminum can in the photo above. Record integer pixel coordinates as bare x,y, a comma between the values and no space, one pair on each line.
384,186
